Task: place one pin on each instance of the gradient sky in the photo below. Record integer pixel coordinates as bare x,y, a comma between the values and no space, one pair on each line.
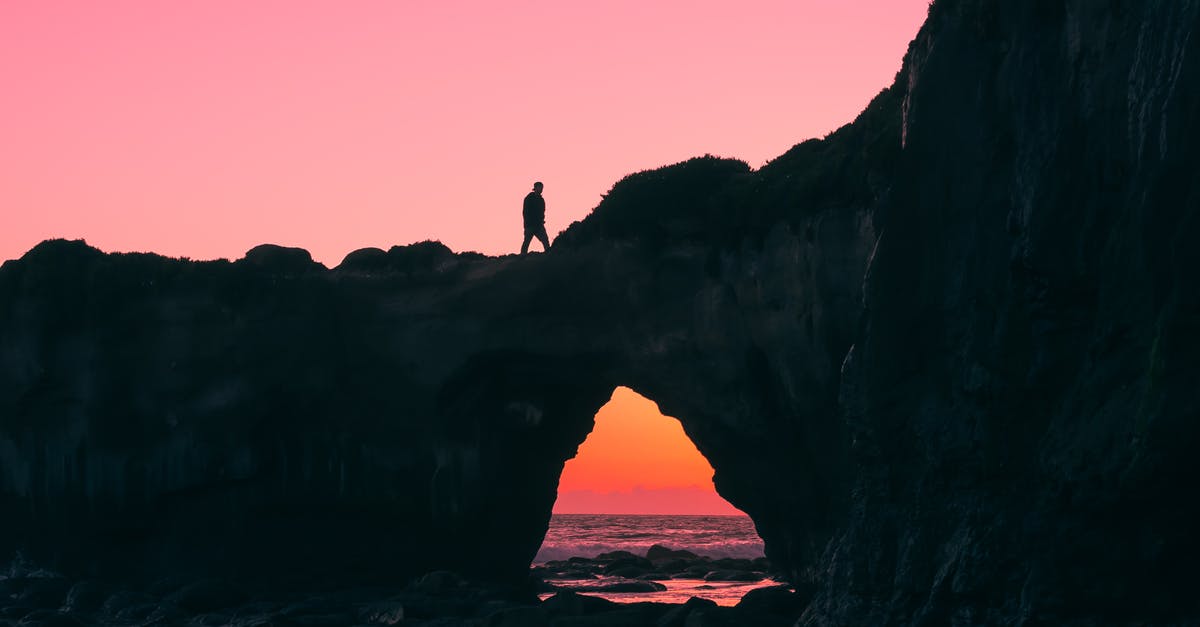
638,461
203,128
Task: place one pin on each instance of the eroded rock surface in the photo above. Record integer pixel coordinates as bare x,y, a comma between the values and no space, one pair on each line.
1021,396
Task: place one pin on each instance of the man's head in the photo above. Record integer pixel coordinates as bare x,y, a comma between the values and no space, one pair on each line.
537,187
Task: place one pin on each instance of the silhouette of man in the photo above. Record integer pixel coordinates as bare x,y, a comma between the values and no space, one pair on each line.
534,213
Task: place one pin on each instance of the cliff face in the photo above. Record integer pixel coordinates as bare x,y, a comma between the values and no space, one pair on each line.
945,358
1022,398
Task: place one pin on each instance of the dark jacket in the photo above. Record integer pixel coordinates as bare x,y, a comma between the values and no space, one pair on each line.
534,210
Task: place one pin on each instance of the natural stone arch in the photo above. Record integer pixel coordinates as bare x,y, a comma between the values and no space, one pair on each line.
422,415
541,409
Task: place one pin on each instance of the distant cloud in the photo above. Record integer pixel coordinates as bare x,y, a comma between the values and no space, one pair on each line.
689,500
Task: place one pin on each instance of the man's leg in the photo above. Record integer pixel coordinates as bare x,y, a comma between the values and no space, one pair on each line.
541,235
525,244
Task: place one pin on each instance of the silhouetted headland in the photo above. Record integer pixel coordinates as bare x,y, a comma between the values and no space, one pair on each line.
945,358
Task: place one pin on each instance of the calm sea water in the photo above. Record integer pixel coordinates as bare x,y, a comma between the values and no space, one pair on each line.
588,535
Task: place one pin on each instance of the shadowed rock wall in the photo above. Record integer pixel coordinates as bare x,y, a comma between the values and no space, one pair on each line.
1022,396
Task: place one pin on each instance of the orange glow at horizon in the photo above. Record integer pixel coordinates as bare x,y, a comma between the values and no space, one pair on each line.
636,452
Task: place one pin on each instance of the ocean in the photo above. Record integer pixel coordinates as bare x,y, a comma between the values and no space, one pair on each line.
715,537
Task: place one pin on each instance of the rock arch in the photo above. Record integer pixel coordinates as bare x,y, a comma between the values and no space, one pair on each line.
413,418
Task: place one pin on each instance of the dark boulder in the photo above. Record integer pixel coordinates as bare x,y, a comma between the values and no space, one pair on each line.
628,572
622,586
365,261
571,603
734,575
781,600
659,552
280,260
673,565
678,616
422,259
424,256
625,563
613,556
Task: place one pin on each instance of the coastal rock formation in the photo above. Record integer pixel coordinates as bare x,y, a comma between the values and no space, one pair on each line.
945,357
1021,395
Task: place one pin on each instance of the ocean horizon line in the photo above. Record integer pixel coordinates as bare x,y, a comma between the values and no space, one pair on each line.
693,515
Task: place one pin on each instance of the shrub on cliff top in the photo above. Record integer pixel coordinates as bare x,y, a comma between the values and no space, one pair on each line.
680,201
420,258
280,259
849,167
723,202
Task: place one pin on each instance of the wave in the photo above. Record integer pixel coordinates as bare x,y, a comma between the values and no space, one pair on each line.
748,549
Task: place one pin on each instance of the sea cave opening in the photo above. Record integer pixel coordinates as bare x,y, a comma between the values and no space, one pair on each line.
638,517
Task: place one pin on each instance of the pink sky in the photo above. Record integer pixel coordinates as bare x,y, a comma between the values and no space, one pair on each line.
203,128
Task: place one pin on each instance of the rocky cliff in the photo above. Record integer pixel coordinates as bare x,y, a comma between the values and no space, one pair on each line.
945,357
1021,395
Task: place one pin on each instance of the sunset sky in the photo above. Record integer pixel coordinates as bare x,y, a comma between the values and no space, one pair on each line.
203,128
638,461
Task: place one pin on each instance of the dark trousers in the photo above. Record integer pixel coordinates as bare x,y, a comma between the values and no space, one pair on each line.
538,231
